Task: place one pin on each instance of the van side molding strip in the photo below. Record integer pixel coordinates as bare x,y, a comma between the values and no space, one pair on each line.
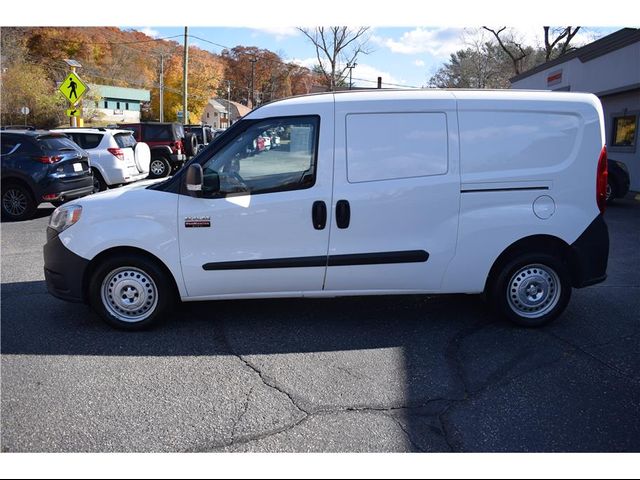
510,189
377,258
509,186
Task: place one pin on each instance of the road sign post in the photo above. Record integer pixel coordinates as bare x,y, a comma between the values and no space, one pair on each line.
72,88
25,111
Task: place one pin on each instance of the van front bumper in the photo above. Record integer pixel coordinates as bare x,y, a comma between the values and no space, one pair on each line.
63,270
590,255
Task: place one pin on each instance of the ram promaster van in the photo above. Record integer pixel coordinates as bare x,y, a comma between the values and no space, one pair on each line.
366,193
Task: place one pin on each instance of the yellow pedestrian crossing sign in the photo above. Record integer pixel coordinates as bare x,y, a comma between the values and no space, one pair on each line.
73,112
72,88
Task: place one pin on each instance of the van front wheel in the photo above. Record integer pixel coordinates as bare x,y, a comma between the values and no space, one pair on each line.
532,289
130,292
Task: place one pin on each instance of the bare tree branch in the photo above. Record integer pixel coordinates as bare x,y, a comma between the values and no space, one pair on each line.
516,57
550,45
336,48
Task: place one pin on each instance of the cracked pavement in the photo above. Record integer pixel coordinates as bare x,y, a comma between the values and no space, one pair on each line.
365,374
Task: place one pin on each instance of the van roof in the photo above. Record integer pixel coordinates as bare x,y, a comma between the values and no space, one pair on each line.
434,93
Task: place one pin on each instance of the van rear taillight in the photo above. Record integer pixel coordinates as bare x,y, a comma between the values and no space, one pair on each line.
116,152
601,180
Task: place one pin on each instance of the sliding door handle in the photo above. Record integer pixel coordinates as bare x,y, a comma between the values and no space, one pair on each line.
343,214
319,215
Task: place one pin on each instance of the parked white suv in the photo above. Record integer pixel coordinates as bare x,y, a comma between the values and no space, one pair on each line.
115,156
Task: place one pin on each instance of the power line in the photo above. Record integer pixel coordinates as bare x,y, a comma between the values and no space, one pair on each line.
282,62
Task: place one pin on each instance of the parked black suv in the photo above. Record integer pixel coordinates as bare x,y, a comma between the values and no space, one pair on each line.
203,133
40,166
170,146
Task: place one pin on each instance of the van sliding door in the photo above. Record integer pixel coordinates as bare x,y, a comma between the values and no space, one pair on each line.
396,195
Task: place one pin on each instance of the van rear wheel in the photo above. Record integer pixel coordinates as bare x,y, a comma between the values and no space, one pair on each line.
532,289
130,292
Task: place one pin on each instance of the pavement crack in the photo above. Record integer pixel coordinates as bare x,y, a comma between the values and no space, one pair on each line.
594,357
444,432
453,350
241,416
413,444
271,383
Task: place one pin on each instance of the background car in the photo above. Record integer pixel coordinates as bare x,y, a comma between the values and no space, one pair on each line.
203,133
618,180
170,145
41,166
116,158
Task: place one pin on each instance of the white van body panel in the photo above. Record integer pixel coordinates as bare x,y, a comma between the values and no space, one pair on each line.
261,227
511,144
409,146
130,216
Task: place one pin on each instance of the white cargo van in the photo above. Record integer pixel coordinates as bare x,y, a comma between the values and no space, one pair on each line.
368,193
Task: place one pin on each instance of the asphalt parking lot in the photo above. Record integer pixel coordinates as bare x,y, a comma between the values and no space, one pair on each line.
391,374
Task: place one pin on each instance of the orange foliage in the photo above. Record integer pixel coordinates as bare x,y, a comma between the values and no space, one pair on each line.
128,58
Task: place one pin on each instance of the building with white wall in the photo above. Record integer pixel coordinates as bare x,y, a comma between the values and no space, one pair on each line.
609,68
119,104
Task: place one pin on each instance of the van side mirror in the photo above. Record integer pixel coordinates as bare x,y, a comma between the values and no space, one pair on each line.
193,180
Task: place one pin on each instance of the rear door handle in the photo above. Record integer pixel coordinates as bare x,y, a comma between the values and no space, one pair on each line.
319,215
343,214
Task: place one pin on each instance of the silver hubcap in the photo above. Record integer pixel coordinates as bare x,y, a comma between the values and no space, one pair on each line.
534,291
14,202
129,294
157,167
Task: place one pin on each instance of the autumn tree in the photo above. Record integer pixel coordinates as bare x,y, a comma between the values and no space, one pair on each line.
336,49
270,74
27,85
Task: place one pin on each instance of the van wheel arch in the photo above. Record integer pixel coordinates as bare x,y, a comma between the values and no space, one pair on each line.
545,244
118,251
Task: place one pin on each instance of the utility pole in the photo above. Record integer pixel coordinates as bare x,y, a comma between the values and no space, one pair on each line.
184,77
162,87
253,71
228,103
351,66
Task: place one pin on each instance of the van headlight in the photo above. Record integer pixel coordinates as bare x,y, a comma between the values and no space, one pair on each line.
65,216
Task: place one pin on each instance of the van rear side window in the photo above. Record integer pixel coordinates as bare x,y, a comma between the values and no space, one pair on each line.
507,142
386,146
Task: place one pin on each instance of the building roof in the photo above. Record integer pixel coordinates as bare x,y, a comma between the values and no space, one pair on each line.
602,46
241,109
122,93
217,106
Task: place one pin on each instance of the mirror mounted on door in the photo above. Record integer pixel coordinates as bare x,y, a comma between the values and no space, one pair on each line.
193,180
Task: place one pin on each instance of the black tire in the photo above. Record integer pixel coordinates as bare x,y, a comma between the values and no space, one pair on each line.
147,293
531,290
17,202
190,144
159,167
612,191
99,185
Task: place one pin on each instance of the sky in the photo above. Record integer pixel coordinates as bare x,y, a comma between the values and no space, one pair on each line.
410,39
402,56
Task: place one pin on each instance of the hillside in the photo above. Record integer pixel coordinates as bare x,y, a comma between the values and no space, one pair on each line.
33,61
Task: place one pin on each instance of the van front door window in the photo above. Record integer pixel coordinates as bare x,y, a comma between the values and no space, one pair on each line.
270,156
